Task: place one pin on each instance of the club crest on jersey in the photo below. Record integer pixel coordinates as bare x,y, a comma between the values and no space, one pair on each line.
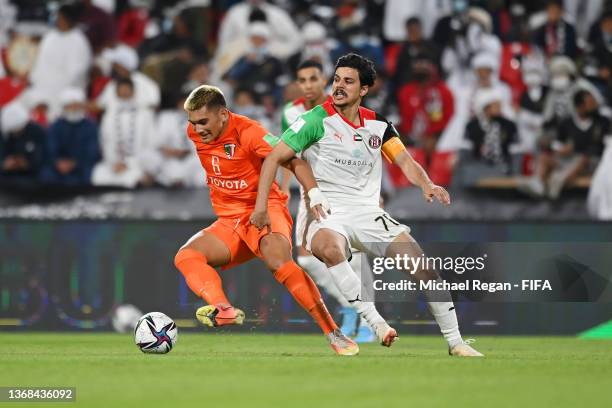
357,138
374,142
230,148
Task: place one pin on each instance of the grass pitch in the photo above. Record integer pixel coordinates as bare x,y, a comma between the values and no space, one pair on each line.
253,370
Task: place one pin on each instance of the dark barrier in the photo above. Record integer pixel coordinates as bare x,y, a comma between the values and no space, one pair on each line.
70,275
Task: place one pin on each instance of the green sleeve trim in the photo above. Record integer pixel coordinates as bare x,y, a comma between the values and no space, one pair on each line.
306,130
271,139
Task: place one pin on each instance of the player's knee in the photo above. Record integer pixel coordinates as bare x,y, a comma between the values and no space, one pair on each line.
331,254
186,254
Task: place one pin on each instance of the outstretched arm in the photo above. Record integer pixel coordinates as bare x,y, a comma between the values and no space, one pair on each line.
418,176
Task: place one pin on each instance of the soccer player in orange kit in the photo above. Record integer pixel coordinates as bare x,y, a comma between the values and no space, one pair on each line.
231,149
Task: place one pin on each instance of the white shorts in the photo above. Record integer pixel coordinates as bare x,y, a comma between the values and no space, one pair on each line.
361,227
301,221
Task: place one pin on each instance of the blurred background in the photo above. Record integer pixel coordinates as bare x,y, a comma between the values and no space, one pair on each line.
505,103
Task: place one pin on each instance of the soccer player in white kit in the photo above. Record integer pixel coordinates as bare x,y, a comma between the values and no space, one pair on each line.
312,83
344,144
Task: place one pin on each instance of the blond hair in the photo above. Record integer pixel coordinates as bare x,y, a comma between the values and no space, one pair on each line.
204,95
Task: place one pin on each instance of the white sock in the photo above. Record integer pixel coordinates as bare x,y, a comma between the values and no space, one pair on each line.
350,286
441,306
319,273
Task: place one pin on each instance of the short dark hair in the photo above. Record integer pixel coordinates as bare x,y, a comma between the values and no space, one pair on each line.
580,97
413,21
71,13
124,81
309,63
365,67
258,14
557,3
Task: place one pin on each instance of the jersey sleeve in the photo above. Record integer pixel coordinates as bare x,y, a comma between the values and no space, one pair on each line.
306,130
392,145
258,139
284,121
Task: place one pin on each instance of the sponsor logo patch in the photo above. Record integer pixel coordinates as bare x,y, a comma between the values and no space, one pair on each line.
297,125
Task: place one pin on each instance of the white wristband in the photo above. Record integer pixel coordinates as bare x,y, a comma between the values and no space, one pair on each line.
317,198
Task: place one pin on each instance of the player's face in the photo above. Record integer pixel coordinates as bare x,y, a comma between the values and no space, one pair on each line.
208,123
346,89
311,82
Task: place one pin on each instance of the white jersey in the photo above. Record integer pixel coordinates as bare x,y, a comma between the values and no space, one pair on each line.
291,112
346,160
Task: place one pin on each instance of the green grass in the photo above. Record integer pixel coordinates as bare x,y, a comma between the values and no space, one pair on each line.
241,370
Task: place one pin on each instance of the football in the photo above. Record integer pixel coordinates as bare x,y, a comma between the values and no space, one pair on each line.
125,318
155,333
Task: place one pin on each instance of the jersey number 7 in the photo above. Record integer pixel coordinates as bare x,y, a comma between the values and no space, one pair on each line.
384,218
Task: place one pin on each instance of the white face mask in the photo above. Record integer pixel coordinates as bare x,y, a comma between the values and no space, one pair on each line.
560,83
126,104
73,116
532,79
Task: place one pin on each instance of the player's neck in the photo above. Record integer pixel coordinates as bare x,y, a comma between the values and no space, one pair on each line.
311,104
350,112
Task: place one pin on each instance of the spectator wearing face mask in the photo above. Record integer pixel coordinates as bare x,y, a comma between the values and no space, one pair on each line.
22,146
530,118
491,133
578,147
72,143
259,70
245,103
121,62
426,106
484,76
172,160
415,45
63,59
556,36
125,137
564,83
317,47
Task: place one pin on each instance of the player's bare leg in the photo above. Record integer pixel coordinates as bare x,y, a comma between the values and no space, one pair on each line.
276,254
440,303
331,248
196,261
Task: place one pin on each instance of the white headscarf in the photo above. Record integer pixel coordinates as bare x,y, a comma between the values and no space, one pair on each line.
13,117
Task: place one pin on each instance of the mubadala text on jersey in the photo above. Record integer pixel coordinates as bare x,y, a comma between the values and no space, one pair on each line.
474,284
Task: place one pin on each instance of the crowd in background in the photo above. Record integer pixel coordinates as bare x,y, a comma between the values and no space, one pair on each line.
91,91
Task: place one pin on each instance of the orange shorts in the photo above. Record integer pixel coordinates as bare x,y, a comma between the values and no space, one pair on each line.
242,238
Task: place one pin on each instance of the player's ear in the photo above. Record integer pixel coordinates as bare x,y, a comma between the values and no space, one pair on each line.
364,90
224,113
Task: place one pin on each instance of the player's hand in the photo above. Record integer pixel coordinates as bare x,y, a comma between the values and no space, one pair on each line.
432,191
318,204
260,219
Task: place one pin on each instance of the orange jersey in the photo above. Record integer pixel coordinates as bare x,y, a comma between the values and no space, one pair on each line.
233,162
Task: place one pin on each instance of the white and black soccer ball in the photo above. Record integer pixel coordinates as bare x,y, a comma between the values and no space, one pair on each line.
155,333
125,318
